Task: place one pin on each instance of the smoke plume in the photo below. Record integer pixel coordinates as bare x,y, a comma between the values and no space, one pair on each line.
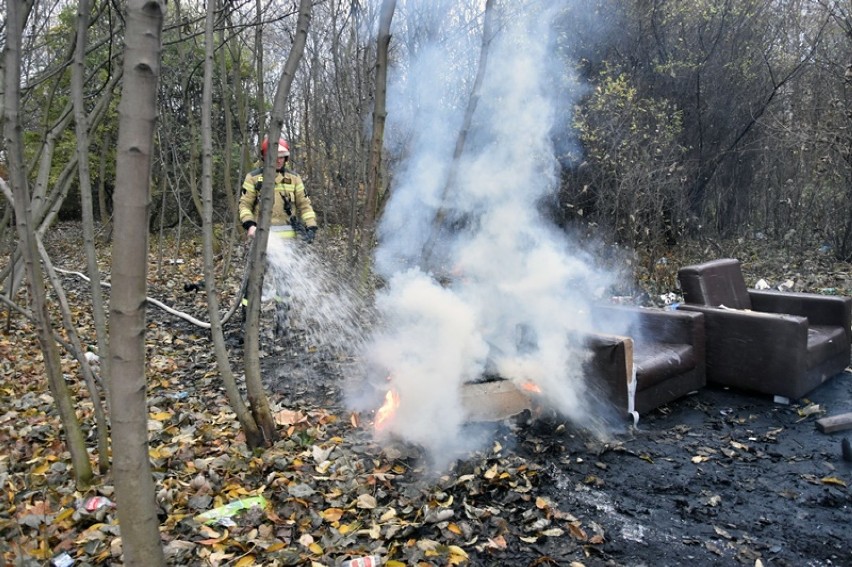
506,290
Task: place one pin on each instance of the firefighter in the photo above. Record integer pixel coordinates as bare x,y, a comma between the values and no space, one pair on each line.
291,208
292,213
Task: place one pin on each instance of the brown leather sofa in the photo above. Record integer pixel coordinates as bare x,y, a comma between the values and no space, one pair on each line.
664,348
779,343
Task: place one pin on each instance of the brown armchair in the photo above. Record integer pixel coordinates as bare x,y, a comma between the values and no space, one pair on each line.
778,343
665,349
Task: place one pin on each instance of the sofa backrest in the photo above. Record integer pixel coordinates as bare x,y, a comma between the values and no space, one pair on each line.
715,283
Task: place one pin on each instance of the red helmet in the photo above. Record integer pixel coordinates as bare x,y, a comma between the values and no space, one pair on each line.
283,147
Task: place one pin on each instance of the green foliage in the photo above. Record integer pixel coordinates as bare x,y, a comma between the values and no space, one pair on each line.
632,146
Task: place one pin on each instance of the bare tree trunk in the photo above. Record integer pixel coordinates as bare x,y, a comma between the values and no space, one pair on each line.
82,130
254,385
374,177
473,101
103,214
258,57
35,278
79,354
134,484
254,437
229,229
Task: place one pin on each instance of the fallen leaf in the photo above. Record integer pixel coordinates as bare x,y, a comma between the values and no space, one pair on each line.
332,514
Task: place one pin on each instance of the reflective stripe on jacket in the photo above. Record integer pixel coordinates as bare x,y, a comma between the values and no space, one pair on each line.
289,194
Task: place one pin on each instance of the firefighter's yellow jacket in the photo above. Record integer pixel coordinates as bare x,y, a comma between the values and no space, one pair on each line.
290,199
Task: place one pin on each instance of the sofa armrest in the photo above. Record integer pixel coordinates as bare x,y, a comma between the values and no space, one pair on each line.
610,364
819,309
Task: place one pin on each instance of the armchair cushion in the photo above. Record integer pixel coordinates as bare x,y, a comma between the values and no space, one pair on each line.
657,362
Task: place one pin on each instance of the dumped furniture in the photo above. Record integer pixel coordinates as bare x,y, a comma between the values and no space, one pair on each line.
644,358
779,343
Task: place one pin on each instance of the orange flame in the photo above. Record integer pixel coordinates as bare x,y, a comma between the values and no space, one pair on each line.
531,387
388,409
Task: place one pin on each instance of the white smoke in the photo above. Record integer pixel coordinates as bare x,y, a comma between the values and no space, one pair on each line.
519,289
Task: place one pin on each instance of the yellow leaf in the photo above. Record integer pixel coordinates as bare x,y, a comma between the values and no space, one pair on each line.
315,548
160,416
394,563
275,546
246,561
64,514
833,480
347,528
42,468
491,473
541,503
456,550
332,514
43,552
454,528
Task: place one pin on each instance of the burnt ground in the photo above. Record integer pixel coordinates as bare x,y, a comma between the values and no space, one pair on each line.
719,477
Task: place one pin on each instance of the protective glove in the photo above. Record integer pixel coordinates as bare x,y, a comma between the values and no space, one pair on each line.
310,234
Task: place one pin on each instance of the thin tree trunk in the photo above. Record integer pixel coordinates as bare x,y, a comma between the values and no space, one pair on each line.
81,127
35,278
374,175
103,214
134,483
427,256
258,57
79,353
254,437
229,230
254,385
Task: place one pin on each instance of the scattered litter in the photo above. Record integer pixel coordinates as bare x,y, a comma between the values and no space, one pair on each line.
95,503
810,409
177,395
668,298
786,286
94,507
369,561
62,560
762,284
222,515
174,261
781,400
